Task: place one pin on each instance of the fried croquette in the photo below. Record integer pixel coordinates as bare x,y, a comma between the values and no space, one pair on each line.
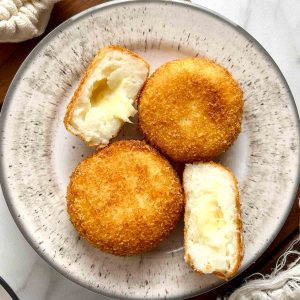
191,109
213,227
125,198
105,97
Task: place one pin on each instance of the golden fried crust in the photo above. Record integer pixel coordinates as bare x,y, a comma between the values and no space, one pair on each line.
191,109
125,198
239,229
98,57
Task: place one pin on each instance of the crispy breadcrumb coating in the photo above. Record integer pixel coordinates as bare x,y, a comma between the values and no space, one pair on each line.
125,198
191,109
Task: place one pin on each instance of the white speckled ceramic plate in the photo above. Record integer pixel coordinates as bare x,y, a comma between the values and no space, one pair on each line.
38,154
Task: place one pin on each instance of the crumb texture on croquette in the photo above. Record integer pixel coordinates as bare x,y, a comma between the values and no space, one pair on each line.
105,97
213,228
125,198
191,109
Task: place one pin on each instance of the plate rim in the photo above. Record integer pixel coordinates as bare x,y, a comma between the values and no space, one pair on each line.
8,100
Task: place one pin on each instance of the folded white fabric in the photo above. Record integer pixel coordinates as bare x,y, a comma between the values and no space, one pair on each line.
21,20
282,284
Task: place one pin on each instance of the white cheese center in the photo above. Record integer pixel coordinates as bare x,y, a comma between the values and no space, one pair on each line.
107,99
211,232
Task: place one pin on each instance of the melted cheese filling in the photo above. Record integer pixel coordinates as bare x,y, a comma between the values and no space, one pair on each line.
108,104
211,229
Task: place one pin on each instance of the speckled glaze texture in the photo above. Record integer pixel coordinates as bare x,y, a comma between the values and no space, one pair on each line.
38,154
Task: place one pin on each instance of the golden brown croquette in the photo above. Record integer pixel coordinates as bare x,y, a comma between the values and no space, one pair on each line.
191,109
125,198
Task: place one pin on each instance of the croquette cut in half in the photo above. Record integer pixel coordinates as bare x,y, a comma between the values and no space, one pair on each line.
191,109
105,97
125,198
213,242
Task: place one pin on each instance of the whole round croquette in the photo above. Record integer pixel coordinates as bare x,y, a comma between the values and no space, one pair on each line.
125,198
191,109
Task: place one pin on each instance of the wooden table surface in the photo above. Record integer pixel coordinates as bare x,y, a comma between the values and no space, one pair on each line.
12,56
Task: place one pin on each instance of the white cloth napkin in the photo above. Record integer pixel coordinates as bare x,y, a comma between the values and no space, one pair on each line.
282,284
21,20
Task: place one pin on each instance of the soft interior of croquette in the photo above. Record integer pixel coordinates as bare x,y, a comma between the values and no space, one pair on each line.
211,237
106,100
